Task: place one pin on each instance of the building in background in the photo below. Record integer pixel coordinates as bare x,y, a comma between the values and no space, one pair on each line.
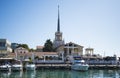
70,50
21,53
14,46
73,49
5,46
39,48
89,51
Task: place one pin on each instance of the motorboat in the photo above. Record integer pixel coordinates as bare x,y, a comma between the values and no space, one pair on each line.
5,74
79,64
30,67
17,67
5,67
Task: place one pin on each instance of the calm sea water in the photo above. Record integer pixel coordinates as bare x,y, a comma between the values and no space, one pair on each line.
62,74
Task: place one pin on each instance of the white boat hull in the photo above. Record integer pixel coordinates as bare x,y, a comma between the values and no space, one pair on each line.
80,67
5,68
30,67
17,67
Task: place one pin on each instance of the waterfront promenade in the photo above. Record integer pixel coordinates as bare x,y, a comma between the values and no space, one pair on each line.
68,66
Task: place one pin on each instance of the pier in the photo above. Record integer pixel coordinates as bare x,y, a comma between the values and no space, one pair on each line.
68,66
104,66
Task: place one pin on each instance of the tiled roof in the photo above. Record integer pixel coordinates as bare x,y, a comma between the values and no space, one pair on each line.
39,47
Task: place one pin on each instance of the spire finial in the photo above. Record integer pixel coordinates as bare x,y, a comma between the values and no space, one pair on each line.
58,28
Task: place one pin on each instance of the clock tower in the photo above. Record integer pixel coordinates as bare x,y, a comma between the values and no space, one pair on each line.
58,35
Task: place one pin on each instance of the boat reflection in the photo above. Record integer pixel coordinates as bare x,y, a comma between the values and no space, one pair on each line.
29,74
5,74
103,73
110,73
79,74
62,73
16,74
53,73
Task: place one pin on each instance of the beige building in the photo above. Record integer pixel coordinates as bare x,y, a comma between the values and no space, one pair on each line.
21,50
46,55
89,51
22,54
70,49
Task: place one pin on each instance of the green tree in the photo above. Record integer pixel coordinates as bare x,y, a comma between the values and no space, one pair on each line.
48,46
31,50
24,46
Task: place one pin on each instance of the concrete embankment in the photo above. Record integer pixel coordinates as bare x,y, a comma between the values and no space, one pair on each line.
68,66
64,66
104,66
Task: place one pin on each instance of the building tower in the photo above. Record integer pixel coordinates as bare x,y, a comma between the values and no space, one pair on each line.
58,35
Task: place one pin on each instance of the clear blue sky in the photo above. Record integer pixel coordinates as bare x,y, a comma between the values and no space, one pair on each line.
90,23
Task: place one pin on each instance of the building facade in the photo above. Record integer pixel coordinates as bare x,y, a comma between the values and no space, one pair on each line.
5,46
21,53
39,48
70,49
89,51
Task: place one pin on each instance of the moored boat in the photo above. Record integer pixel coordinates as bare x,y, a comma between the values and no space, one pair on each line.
5,67
30,67
79,64
17,67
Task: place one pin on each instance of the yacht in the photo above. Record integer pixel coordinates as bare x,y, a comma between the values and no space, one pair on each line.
17,67
79,65
5,67
30,67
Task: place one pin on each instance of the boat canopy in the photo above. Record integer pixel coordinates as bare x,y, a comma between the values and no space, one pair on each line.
80,61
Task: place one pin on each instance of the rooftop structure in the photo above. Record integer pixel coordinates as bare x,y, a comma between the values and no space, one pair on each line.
89,51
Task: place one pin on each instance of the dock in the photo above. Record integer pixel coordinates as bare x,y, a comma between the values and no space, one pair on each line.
104,66
68,66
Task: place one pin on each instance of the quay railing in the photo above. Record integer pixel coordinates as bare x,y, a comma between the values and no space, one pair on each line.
48,61
103,62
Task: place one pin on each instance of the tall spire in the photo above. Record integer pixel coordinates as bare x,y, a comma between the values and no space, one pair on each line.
58,25
58,35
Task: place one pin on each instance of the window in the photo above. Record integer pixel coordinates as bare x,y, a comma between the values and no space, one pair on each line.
2,44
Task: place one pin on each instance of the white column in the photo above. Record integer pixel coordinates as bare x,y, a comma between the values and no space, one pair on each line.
44,58
68,49
16,55
62,56
33,56
72,49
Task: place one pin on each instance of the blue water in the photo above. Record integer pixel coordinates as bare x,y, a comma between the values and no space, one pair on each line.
55,73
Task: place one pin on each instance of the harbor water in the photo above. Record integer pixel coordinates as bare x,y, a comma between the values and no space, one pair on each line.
55,73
